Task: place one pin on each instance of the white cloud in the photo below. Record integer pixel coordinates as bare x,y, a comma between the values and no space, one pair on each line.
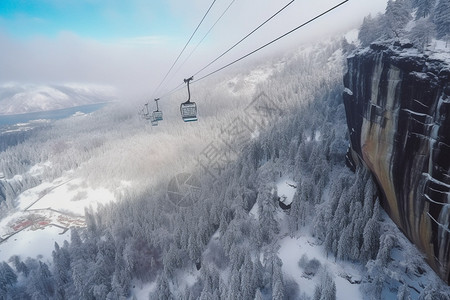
139,63
69,58
145,40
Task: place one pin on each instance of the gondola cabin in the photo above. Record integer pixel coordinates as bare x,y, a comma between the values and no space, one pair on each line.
153,121
157,115
145,112
188,111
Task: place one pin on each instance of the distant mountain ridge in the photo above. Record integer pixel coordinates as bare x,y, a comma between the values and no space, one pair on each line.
19,99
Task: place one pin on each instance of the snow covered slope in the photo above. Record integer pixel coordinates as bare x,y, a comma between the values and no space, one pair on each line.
234,241
18,99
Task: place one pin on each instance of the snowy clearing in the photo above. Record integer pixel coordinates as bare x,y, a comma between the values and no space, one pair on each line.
286,189
34,243
46,213
293,248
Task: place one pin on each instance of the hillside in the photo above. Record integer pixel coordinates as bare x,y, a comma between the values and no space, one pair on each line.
228,237
256,200
20,99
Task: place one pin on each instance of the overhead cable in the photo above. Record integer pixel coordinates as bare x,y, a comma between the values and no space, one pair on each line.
210,29
249,34
180,86
271,42
187,43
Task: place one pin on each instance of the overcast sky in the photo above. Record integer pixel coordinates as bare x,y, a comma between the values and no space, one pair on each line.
132,44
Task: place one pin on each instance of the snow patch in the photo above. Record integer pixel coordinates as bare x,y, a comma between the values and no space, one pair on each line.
247,83
254,211
286,189
317,136
74,196
78,114
142,291
352,36
420,75
440,51
39,169
291,251
348,91
37,243
414,112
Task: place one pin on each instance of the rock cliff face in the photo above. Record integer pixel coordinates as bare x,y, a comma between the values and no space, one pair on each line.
398,113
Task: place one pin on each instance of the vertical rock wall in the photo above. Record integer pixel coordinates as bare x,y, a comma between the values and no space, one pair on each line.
398,114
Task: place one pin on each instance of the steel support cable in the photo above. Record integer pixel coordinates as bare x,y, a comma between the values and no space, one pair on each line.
273,41
181,85
175,89
245,37
253,31
210,29
184,48
178,87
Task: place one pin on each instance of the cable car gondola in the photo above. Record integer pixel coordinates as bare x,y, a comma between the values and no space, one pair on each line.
146,115
157,114
145,112
188,109
153,121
